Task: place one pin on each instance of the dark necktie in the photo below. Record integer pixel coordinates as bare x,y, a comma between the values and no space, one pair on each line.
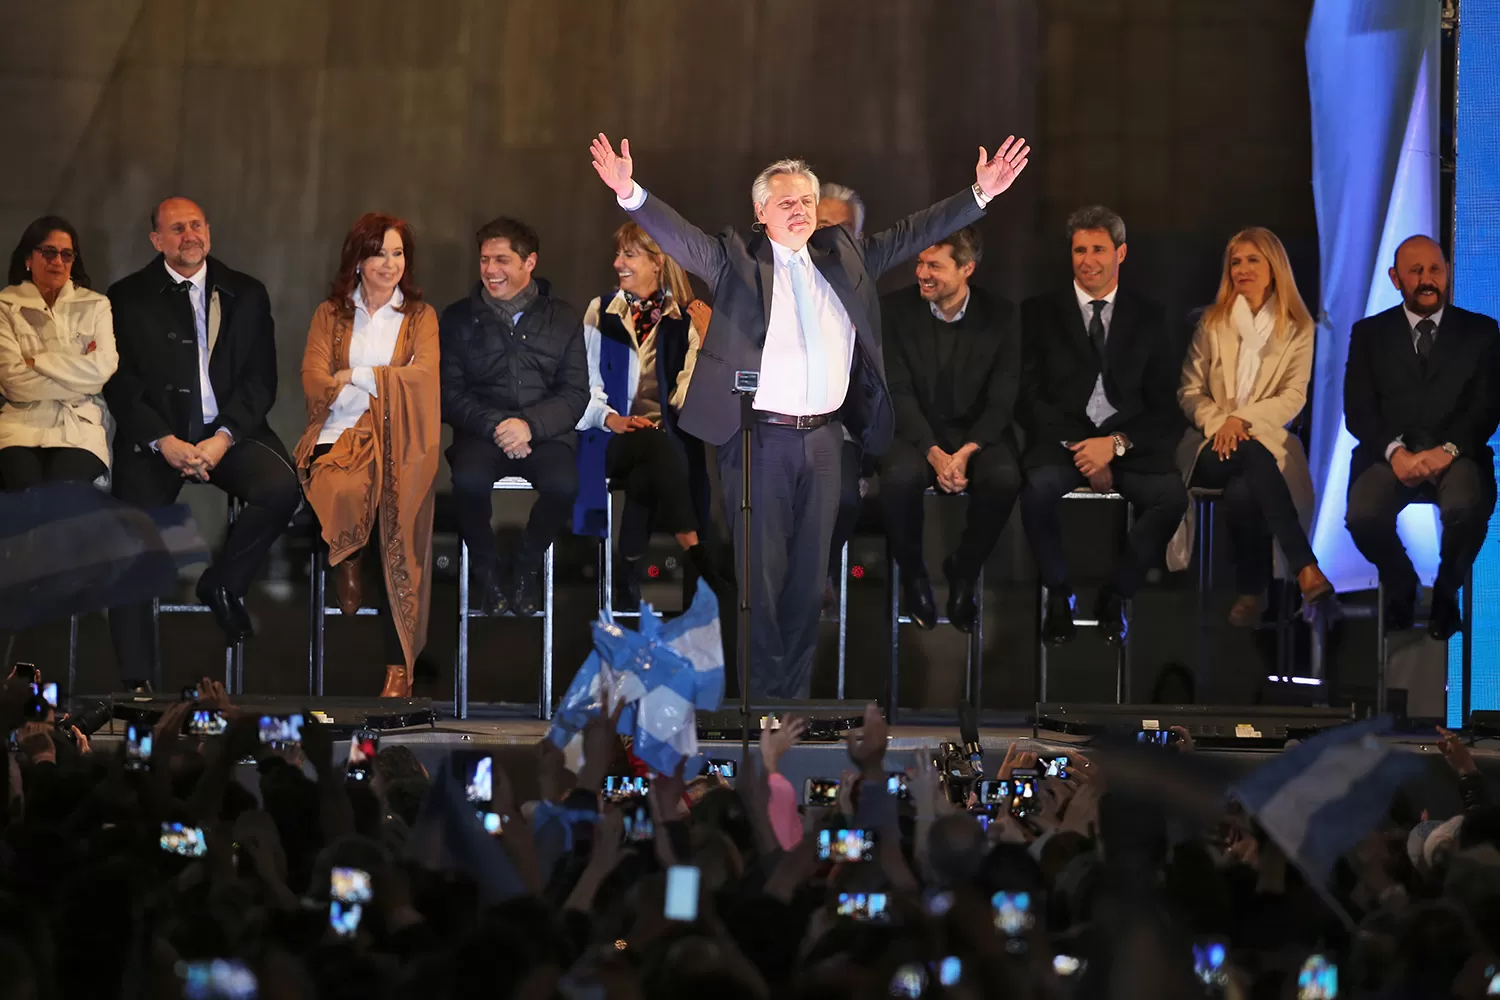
1426,333
183,303
1096,329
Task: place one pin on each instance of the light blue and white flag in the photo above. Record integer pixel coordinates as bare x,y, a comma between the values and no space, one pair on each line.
1321,798
662,675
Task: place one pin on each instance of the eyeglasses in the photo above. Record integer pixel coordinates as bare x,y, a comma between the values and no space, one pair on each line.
52,253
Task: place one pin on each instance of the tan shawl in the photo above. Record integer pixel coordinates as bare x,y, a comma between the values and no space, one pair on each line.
386,463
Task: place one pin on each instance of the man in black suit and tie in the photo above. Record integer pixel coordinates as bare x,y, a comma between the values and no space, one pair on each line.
1098,403
953,360
197,377
1420,396
798,305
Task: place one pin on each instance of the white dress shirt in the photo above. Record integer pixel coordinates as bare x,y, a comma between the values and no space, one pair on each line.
371,345
1412,319
198,296
1099,408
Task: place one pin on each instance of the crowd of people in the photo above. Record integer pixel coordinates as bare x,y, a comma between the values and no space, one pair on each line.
156,869
169,378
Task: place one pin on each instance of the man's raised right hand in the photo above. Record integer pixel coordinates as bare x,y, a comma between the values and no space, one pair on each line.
615,170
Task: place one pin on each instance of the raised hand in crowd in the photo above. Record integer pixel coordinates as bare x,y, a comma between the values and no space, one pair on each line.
616,170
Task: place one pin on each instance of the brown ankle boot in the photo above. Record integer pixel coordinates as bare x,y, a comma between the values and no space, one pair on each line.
348,585
1313,584
1245,612
397,682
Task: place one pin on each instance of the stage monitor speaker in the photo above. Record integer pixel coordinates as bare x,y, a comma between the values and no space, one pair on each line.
827,721
344,714
1209,725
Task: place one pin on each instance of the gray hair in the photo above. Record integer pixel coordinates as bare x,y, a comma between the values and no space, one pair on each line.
1098,217
850,197
760,191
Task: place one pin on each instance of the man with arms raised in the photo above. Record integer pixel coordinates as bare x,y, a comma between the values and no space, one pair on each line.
798,305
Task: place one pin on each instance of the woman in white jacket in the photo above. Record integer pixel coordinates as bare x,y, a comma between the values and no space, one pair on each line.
57,349
1244,380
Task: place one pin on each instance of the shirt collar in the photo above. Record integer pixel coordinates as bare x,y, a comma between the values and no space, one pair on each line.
198,281
956,316
785,255
397,300
1084,298
1412,319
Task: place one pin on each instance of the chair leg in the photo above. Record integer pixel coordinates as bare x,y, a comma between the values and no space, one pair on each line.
894,695
461,658
843,616
1382,650
547,623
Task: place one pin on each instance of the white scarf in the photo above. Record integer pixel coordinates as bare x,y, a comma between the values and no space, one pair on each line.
1254,330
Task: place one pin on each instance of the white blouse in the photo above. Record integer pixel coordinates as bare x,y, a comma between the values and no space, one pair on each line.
371,345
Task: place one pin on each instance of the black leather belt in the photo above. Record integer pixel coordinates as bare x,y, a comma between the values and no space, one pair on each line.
803,423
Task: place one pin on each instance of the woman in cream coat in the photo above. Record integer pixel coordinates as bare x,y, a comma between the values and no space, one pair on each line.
1244,380
57,349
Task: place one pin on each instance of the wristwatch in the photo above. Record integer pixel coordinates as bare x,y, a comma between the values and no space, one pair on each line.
1451,449
1122,445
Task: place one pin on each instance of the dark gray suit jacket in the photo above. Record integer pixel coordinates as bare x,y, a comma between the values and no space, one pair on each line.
741,274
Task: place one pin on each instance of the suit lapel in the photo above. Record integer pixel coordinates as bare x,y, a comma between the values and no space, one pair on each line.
766,259
1447,348
1400,343
1121,328
1072,321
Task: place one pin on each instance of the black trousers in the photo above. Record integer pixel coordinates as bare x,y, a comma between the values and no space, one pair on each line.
1259,507
853,458
1159,499
23,468
652,468
257,472
1465,496
552,470
794,498
905,475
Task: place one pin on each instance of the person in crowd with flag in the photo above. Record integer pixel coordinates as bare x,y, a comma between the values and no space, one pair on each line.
515,384
1244,379
190,398
1422,399
1098,404
797,306
368,458
953,358
57,350
642,346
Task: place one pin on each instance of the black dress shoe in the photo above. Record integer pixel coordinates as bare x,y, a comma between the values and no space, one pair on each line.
1059,627
228,610
525,594
492,596
921,607
962,609
1401,611
1111,615
1445,619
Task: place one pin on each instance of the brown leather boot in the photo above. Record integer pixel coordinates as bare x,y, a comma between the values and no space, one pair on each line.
1245,612
397,682
348,585
1313,584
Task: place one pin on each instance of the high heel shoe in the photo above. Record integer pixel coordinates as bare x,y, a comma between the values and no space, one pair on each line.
348,585
397,682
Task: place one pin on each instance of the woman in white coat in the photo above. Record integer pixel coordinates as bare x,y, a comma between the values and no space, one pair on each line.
57,349
1244,380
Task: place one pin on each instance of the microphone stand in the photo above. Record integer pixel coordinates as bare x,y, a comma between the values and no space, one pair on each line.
745,385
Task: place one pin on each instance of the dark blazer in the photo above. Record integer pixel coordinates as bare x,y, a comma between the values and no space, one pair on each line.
975,398
1058,370
741,274
154,392
539,373
1389,392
